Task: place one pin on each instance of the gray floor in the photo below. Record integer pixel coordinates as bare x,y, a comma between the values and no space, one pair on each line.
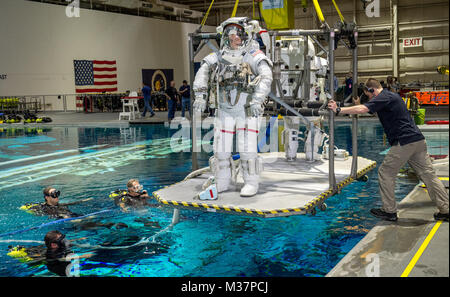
389,247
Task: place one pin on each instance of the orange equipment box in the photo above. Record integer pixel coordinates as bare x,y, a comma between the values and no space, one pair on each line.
432,97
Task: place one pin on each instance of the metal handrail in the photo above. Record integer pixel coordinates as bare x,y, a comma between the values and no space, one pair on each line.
42,97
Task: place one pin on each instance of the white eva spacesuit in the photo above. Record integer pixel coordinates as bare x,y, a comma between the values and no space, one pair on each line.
238,78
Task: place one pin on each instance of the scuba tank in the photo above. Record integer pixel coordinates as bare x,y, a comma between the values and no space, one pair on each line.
13,118
117,193
29,117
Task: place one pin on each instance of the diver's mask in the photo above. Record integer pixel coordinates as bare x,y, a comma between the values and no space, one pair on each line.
55,194
62,242
138,189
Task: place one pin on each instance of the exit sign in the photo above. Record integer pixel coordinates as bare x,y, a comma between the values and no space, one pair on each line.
412,42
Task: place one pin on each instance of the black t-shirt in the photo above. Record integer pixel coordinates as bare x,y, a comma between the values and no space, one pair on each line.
397,123
186,94
172,92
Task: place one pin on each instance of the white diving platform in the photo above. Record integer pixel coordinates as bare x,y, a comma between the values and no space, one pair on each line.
286,188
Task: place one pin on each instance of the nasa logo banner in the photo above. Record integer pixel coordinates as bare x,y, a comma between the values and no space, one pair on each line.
157,79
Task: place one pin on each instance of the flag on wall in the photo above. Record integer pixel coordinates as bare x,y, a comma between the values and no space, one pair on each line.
94,76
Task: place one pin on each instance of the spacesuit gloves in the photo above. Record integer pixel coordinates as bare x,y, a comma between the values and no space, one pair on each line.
199,104
256,109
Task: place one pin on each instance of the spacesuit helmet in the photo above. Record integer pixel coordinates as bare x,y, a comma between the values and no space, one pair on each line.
237,33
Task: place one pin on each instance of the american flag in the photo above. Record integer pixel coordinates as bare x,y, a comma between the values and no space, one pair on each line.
94,76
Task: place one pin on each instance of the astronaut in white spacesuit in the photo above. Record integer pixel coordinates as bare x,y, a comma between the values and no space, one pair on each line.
238,79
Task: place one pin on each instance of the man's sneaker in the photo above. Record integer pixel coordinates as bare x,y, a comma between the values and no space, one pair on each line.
441,216
152,114
379,213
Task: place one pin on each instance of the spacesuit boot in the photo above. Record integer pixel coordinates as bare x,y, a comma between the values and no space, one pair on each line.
312,153
250,172
223,171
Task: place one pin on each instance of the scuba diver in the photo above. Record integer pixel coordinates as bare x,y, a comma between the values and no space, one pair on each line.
54,253
238,78
134,197
51,207
58,247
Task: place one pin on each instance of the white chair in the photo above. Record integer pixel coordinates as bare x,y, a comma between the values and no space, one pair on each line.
130,108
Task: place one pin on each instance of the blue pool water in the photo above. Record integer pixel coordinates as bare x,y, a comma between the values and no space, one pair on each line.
92,162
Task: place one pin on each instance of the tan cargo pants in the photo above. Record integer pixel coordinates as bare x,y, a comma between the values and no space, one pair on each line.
417,157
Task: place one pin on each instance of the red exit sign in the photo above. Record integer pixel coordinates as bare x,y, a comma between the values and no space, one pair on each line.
412,42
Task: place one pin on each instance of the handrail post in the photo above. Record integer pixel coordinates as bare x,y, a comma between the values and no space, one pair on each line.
354,170
331,176
193,113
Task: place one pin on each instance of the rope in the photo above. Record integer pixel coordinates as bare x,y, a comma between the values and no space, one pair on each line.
144,240
206,14
339,12
21,241
233,14
253,9
55,222
318,11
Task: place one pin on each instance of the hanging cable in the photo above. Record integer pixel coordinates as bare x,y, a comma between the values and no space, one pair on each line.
233,14
318,11
253,9
206,14
56,222
339,12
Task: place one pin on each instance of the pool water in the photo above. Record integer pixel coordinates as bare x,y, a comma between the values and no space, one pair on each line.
91,162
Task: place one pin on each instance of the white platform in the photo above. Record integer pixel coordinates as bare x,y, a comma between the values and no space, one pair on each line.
286,188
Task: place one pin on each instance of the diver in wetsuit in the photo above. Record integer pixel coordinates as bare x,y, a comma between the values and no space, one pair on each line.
51,206
135,196
57,250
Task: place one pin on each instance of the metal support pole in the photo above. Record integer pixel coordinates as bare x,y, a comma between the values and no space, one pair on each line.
272,46
193,117
175,217
65,103
312,127
298,32
331,176
354,170
395,45
275,52
306,71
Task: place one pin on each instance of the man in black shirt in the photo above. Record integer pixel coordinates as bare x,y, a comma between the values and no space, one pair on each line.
407,145
172,94
185,92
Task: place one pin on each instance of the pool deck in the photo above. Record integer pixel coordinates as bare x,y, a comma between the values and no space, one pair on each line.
111,119
415,246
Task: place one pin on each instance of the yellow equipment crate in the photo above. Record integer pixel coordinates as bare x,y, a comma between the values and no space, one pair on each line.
278,14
